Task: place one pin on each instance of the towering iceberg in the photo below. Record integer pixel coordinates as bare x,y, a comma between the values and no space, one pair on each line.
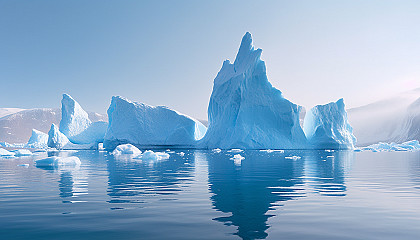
327,127
246,111
144,125
77,126
56,139
38,139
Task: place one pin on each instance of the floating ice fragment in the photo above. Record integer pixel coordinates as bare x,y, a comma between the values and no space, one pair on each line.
217,150
22,152
236,150
237,158
126,149
293,157
4,152
23,165
271,150
181,154
150,155
58,161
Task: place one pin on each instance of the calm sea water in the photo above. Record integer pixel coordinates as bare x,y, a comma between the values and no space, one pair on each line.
206,195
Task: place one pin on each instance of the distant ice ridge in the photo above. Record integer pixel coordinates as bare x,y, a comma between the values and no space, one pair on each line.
246,111
327,127
144,125
77,126
413,145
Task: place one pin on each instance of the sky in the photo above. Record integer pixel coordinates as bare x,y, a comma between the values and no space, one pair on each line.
169,52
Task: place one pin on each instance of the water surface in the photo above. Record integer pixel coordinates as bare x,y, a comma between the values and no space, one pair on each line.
206,195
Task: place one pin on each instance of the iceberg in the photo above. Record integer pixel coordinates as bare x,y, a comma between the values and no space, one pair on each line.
144,125
58,161
5,153
74,120
327,127
126,149
38,139
56,139
77,126
245,111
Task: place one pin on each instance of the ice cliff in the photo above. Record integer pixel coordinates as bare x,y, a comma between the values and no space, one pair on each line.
327,127
246,111
144,125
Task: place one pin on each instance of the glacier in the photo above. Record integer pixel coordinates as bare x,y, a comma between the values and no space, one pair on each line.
77,126
38,139
327,127
56,139
144,125
245,111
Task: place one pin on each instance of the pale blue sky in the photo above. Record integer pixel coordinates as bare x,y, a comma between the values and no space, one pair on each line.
168,52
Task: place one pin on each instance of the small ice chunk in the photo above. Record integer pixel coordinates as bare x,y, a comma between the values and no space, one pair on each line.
217,150
58,161
181,154
150,155
236,150
23,165
237,158
126,149
293,157
330,156
329,150
22,152
4,152
272,150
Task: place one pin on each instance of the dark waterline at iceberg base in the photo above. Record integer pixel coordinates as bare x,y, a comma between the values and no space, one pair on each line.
206,195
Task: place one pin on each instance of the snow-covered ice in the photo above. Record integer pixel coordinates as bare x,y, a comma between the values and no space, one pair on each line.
38,139
126,149
145,125
246,111
327,127
58,161
56,139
